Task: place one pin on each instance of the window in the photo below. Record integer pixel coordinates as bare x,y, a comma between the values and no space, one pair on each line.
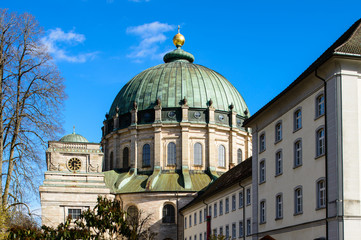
279,164
200,216
195,237
146,155
111,161
278,132
262,171
195,218
190,220
221,231
320,144
185,222
240,229
297,120
298,153
279,206
321,194
248,196
234,230
320,105
210,211
215,210
239,156
126,157
233,202
262,212
240,199
262,143
205,236
132,215
298,200
205,214
198,154
200,236
190,238
215,232
227,205
221,207
248,226
74,213
221,156
169,214
227,231
171,160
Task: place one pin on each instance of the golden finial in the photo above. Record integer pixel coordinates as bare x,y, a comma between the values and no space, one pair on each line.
178,39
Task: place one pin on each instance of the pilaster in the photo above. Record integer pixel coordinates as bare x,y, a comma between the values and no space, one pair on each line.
185,144
158,149
134,148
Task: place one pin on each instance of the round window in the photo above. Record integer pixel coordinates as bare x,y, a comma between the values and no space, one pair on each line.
171,114
221,117
197,114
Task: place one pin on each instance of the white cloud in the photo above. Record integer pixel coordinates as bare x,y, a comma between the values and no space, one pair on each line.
57,39
152,35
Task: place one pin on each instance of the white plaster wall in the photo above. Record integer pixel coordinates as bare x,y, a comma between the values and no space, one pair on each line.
221,220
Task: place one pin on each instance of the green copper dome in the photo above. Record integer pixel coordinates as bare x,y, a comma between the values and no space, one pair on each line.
177,78
74,138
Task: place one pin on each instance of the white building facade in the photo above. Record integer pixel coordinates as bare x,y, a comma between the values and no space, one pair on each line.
306,151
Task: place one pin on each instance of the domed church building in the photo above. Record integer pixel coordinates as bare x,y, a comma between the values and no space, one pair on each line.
171,131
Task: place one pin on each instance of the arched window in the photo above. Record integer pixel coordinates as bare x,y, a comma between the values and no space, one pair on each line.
320,144
126,157
168,214
221,156
111,161
171,154
239,156
146,155
132,215
197,154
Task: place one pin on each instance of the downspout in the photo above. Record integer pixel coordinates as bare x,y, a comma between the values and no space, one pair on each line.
326,146
207,220
244,212
176,194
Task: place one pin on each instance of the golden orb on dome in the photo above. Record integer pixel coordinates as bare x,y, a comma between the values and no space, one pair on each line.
178,39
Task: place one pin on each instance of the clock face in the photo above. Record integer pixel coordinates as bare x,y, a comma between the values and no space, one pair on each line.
74,164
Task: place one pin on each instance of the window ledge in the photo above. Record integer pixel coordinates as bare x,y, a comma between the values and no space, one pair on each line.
260,183
262,223
278,141
320,208
278,218
319,116
261,151
319,156
296,130
278,174
299,213
298,166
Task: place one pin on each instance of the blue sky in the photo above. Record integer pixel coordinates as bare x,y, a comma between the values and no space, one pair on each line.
259,46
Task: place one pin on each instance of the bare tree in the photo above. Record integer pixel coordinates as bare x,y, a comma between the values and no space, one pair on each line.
31,99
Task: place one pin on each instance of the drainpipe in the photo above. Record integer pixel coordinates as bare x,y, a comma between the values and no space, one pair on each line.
176,194
326,146
208,222
244,211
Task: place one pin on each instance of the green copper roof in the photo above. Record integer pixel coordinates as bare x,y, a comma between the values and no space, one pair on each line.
167,181
174,80
74,138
